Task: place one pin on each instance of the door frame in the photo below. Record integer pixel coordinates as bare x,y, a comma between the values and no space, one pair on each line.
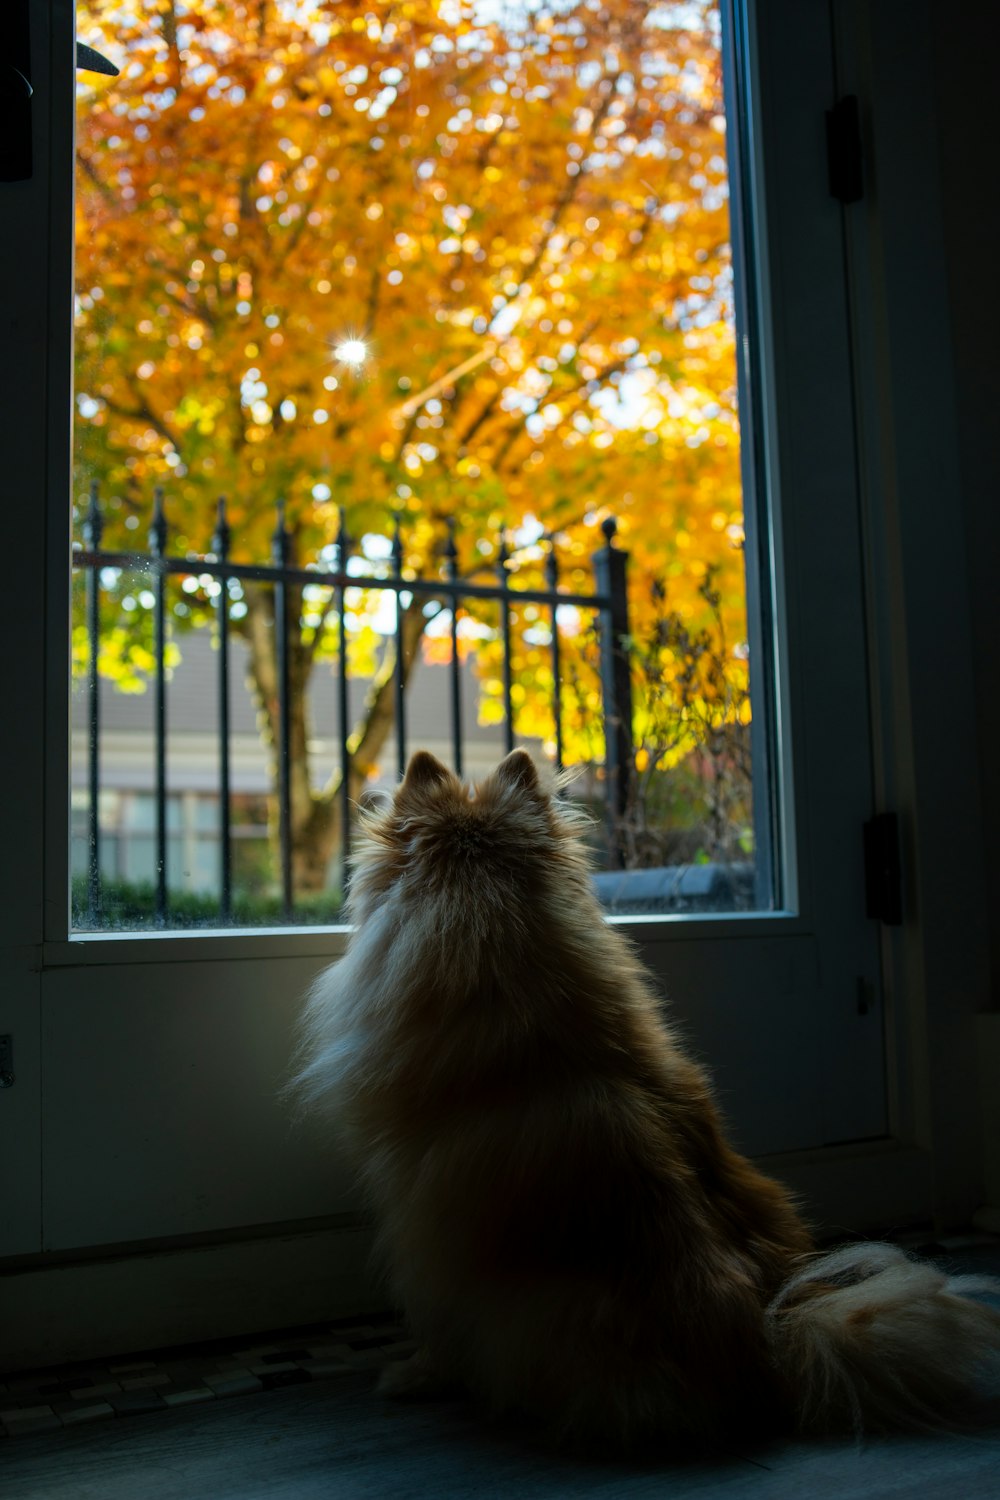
929,1162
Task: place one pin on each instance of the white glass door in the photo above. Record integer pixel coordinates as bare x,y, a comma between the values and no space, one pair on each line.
161,1051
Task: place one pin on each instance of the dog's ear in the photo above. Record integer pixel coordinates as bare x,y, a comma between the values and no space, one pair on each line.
517,771
423,774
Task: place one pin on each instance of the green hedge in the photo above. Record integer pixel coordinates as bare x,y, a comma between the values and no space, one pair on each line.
128,905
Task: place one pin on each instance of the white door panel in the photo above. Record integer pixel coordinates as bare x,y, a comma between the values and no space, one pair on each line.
164,1079
777,1025
156,1069
766,1075
165,1117
20,1114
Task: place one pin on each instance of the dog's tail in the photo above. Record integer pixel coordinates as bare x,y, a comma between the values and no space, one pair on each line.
870,1339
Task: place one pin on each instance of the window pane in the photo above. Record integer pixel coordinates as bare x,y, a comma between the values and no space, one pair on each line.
457,288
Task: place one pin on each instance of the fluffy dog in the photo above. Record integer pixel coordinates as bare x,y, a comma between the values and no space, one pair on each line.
559,1212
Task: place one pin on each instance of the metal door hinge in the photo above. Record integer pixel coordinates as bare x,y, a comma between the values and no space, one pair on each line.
867,995
883,869
6,1063
844,155
15,94
16,90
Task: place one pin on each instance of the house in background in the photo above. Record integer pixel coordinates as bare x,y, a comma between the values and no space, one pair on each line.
128,763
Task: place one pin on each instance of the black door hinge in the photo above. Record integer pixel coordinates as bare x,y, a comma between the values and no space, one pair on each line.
15,95
7,1079
883,869
16,90
843,150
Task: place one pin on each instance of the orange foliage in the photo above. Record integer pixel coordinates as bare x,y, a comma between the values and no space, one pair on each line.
522,212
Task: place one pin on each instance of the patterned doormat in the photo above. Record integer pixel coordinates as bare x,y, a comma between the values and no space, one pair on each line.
90,1391
65,1395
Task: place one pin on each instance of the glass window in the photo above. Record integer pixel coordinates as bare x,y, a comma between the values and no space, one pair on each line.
458,290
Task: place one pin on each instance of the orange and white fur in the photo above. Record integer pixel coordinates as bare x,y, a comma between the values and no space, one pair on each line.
559,1212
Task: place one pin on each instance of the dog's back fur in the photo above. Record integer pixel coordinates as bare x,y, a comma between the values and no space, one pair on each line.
559,1212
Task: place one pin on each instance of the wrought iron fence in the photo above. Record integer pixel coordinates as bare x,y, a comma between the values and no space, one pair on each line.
608,604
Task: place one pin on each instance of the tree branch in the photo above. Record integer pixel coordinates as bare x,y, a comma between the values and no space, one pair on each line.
105,190
143,412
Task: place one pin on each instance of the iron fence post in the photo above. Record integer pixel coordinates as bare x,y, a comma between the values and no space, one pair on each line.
220,546
280,553
503,578
343,556
552,579
158,552
610,569
397,572
93,528
451,568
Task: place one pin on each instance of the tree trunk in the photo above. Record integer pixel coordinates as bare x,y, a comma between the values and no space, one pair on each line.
316,814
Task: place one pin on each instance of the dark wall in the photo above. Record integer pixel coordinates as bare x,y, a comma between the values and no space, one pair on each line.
966,97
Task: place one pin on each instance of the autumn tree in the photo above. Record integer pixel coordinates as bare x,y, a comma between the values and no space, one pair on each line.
520,214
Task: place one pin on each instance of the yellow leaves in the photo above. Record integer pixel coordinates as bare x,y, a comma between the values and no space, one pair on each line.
142,660
193,412
123,658
364,645
575,340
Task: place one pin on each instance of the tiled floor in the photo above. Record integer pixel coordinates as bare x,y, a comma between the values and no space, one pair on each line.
67,1395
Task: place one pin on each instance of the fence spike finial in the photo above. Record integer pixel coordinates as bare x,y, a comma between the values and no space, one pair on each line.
451,551
93,525
610,528
343,541
397,544
221,535
552,563
282,536
451,546
158,529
